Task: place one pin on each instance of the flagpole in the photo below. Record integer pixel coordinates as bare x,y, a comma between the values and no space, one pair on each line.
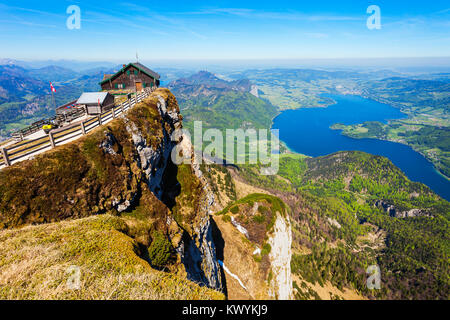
53,96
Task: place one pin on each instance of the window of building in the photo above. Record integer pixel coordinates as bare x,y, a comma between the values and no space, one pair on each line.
136,72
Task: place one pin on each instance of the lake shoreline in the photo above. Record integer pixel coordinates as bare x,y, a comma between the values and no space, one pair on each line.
394,141
349,136
307,131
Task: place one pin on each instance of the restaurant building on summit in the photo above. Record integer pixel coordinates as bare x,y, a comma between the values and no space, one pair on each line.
132,77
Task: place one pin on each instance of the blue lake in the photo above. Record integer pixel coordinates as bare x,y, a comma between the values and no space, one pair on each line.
308,131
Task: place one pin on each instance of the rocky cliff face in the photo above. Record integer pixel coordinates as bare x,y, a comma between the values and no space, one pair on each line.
256,248
280,258
193,244
155,163
123,168
395,213
193,210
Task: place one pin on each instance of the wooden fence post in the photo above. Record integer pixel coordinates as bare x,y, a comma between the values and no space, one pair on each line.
52,140
83,129
5,157
121,106
100,120
113,113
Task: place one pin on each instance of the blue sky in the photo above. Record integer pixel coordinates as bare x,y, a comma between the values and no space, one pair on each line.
276,29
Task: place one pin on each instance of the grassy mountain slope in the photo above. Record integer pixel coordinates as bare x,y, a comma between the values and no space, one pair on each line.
40,259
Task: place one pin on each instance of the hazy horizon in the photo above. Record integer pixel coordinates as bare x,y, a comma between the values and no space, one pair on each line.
434,64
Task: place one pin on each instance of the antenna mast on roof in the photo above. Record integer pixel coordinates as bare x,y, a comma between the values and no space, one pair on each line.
137,56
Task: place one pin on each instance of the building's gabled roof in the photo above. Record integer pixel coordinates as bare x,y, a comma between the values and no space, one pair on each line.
92,98
138,66
146,70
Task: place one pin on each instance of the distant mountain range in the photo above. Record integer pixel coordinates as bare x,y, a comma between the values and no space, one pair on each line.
53,73
16,82
206,83
78,66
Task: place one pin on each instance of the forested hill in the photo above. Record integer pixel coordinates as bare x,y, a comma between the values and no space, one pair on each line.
221,104
208,81
352,210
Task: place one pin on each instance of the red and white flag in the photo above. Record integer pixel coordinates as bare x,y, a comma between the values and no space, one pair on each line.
52,87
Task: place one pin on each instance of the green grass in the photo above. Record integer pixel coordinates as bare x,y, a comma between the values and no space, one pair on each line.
276,204
37,259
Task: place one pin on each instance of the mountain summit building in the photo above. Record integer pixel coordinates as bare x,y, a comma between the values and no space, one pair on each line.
95,103
132,77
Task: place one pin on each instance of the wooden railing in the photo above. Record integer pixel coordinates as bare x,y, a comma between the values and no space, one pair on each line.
28,148
59,118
